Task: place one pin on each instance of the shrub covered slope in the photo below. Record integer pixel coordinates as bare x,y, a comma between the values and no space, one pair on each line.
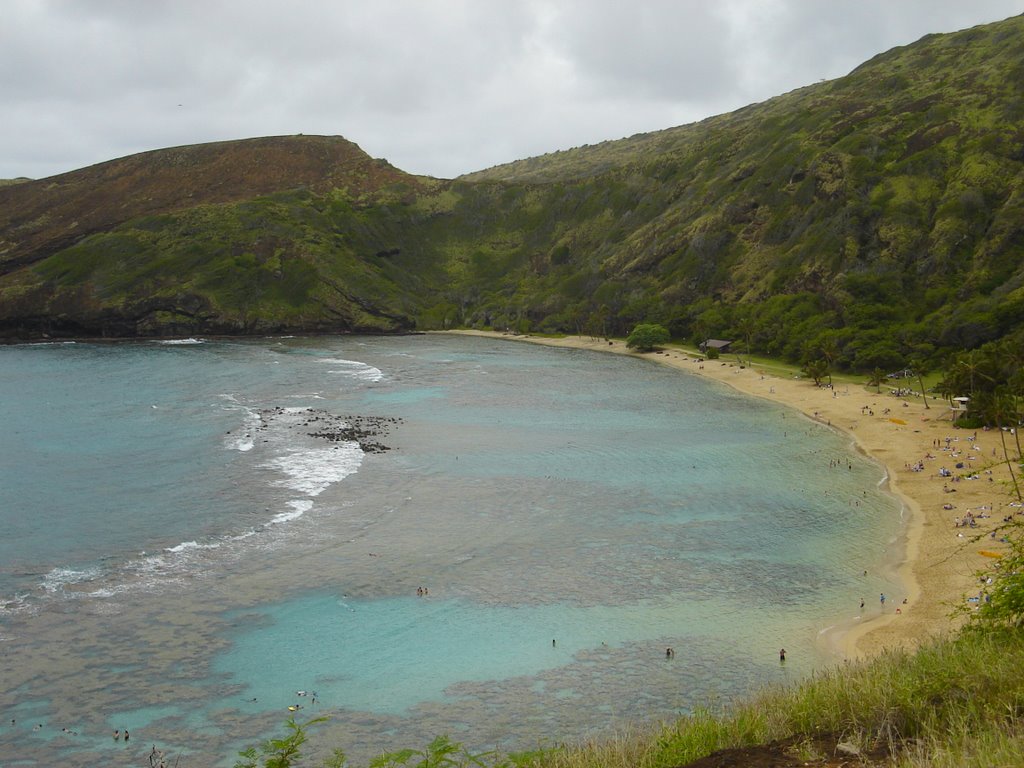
878,216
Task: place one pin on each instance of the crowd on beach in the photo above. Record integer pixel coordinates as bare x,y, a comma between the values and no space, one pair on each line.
892,425
969,465
963,460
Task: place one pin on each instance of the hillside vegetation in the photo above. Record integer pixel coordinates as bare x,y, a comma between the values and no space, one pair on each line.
879,216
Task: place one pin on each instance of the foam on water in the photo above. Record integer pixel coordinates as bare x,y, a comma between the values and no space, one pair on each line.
57,579
313,470
299,507
285,449
540,494
242,439
187,545
355,369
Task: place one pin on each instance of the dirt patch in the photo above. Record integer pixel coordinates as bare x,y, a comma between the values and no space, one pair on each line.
796,752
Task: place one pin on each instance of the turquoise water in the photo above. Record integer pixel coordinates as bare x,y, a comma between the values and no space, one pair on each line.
188,550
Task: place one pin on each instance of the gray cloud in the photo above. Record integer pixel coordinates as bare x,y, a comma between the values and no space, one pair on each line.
440,87
660,50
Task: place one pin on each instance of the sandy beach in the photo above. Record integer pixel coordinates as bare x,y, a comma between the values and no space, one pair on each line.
942,559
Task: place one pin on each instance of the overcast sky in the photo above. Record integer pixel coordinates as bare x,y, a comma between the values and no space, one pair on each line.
437,87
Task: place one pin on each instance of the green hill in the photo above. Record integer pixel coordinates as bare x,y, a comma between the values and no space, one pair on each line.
192,239
879,215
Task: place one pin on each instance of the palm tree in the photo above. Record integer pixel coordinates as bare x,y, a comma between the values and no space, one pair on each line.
746,327
829,352
920,368
947,387
1000,409
971,365
1013,391
1009,356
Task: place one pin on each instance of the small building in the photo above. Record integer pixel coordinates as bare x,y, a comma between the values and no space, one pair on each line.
719,344
958,407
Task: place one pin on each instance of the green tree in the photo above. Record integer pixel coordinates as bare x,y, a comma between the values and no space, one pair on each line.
999,409
829,353
1004,600
442,752
971,366
280,753
817,370
920,367
746,326
877,379
597,323
646,336
1016,393
1009,359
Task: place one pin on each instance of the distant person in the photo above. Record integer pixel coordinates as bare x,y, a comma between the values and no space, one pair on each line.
782,654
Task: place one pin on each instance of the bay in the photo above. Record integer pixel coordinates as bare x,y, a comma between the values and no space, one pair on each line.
196,535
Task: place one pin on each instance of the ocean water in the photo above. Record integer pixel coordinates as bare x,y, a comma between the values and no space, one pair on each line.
201,535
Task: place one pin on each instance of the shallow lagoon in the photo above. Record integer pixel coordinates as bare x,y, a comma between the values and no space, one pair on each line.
201,550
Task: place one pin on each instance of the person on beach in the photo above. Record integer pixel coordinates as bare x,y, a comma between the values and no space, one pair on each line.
782,655
881,598
117,735
125,735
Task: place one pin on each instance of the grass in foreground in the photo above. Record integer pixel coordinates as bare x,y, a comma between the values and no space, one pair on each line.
954,702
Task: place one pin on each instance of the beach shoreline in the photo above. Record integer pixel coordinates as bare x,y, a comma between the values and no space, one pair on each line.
939,562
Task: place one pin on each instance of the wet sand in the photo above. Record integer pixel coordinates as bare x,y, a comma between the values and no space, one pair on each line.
941,561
